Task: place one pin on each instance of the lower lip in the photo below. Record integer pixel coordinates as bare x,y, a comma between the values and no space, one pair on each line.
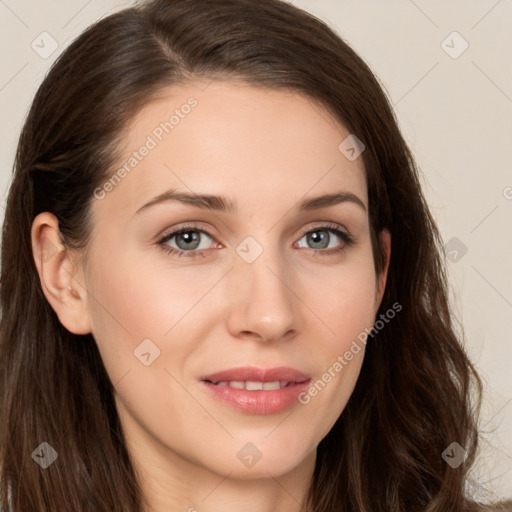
258,402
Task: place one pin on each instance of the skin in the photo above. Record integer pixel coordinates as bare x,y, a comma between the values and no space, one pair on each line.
265,151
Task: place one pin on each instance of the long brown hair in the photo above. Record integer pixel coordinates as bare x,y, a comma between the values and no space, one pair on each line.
417,392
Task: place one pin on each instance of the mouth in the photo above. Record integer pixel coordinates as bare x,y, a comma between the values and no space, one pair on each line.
252,374
255,390
253,385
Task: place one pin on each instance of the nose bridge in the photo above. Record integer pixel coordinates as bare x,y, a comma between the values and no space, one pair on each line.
264,302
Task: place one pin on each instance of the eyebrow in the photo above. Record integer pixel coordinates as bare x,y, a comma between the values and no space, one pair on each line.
223,204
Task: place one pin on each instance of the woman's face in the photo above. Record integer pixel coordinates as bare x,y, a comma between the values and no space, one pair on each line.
243,287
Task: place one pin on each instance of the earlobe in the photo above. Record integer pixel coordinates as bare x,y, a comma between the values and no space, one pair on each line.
58,276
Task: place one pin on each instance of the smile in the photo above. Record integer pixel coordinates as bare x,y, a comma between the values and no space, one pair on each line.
253,385
255,390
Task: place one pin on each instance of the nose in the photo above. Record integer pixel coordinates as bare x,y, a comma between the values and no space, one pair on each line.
264,304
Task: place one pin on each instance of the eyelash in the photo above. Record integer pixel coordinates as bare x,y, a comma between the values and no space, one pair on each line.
333,228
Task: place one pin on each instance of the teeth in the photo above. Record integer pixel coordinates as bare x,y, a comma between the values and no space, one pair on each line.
254,386
272,385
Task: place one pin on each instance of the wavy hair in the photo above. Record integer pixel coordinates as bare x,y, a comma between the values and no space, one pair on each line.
417,391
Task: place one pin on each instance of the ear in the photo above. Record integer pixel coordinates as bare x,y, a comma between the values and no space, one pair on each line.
385,241
62,284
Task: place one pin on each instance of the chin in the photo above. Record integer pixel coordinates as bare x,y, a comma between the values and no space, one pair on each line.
263,460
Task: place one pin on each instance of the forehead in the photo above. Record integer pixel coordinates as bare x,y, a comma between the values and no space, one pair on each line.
236,140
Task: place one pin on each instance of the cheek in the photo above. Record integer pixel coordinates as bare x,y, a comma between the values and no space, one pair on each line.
346,309
346,302
143,297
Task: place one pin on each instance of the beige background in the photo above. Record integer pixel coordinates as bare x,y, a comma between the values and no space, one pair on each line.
454,110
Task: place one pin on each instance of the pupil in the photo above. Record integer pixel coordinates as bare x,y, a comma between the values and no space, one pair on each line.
189,236
319,238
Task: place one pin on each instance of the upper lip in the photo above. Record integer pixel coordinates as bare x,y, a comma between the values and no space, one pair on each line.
253,374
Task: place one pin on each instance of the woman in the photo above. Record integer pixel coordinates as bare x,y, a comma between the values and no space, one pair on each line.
254,370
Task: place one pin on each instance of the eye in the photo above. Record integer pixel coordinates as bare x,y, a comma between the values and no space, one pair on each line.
320,237
191,240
